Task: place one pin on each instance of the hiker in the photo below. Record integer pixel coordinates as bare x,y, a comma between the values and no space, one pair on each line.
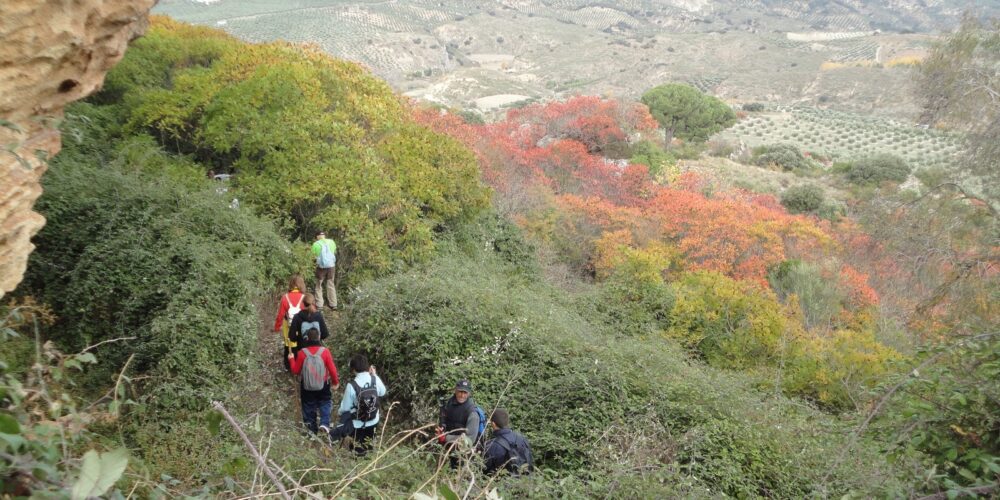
319,375
289,306
325,251
508,449
462,422
359,410
309,317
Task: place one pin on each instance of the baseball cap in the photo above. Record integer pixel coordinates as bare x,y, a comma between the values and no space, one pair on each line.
464,385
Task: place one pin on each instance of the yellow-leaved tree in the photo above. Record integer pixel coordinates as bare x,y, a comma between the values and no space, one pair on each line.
313,140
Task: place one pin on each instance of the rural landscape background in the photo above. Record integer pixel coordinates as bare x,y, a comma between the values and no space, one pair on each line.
697,249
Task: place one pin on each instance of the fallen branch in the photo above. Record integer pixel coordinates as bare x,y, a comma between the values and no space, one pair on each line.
253,450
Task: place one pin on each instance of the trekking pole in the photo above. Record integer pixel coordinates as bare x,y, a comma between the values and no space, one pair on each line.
246,440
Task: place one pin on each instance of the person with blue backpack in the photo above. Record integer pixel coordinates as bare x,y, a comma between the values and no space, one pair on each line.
318,377
359,410
325,252
462,421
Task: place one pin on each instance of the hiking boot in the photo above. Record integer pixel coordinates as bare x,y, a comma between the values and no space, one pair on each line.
324,429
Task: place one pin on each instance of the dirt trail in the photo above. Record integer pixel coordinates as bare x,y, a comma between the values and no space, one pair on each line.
266,396
268,392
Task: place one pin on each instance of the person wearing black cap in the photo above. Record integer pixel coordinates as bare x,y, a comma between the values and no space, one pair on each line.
459,418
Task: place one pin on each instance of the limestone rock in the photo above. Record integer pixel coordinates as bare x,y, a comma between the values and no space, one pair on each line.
52,52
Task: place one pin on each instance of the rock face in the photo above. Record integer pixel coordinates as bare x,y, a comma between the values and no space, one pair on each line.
52,52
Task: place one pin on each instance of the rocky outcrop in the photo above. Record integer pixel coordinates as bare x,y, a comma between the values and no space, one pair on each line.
52,52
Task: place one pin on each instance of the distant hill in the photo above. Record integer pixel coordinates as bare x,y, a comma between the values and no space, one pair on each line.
492,54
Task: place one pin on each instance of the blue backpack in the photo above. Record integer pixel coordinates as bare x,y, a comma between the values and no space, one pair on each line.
326,258
482,424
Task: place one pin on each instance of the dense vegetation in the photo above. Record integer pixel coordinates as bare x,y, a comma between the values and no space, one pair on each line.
347,158
653,335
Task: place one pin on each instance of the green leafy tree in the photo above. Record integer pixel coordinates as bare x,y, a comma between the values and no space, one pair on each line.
683,111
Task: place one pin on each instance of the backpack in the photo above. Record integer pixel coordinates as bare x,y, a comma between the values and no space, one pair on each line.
326,258
293,310
309,325
482,425
367,400
518,455
314,370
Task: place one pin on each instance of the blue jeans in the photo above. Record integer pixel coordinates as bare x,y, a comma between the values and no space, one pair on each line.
310,408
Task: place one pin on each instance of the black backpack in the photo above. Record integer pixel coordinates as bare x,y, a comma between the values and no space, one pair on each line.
367,400
519,459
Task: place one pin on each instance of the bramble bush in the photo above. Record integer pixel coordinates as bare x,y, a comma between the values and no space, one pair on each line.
129,250
575,387
949,410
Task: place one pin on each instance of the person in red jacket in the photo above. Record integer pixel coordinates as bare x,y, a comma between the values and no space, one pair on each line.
319,376
288,307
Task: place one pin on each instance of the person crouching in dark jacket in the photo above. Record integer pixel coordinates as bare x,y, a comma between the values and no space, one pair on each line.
507,450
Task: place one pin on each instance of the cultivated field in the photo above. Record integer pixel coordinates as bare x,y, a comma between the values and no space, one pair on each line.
845,135
459,52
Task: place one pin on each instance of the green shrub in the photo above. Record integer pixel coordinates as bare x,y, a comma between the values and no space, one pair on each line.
130,250
729,323
879,168
821,303
949,411
653,156
577,390
786,156
803,198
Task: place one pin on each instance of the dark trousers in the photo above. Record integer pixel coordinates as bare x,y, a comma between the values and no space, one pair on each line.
363,437
313,408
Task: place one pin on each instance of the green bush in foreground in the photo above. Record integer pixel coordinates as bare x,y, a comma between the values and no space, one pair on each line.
587,397
138,245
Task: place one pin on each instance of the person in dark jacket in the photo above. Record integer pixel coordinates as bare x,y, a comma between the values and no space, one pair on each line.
315,403
459,419
508,450
309,317
458,426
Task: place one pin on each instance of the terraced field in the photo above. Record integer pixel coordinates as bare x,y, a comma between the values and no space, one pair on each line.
845,135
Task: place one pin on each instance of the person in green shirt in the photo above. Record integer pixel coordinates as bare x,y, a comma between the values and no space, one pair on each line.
325,251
